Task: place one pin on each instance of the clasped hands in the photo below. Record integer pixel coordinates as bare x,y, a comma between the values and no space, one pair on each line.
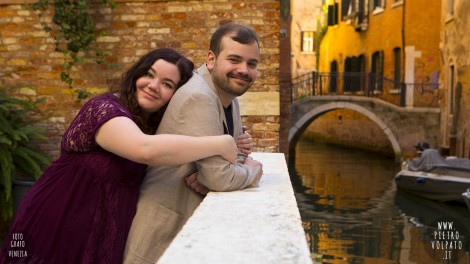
245,145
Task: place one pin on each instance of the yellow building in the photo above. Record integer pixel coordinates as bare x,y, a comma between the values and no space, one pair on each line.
376,46
304,26
455,77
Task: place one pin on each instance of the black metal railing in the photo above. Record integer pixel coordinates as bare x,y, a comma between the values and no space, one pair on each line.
362,84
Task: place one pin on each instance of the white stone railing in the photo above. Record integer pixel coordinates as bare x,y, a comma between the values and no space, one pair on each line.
255,225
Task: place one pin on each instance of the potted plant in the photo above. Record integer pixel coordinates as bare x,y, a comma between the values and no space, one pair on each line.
20,158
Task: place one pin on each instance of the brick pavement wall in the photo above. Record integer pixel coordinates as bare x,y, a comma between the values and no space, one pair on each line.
27,55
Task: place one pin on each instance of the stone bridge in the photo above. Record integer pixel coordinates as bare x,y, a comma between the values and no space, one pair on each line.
402,126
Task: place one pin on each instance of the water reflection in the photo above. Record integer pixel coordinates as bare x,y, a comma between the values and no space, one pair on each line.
352,212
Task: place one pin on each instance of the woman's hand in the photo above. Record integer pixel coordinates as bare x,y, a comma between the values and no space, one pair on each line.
245,142
228,148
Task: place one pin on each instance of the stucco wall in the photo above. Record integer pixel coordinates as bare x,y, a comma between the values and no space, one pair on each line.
455,51
305,17
384,32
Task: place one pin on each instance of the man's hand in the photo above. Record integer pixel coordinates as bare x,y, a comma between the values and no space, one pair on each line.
192,183
245,142
250,162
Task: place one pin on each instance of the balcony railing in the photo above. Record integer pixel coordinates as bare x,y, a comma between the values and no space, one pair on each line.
364,84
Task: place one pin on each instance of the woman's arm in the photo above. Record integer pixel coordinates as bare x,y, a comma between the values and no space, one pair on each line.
121,136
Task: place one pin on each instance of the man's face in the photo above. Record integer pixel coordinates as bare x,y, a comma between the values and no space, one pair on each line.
235,69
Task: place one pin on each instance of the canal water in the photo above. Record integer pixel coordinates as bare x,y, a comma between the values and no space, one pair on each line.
352,212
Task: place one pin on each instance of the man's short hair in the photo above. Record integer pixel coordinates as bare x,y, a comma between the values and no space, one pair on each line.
243,35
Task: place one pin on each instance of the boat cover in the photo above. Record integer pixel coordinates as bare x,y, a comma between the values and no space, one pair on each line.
431,159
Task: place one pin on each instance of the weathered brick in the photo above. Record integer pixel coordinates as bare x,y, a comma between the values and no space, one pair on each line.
48,90
108,39
179,8
24,13
203,7
13,47
9,41
97,90
267,142
132,17
133,29
17,62
158,31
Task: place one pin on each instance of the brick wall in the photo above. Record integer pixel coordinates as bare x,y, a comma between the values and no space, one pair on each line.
27,55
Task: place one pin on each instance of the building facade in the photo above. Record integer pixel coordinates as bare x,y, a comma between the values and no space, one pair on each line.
304,27
394,42
134,27
455,77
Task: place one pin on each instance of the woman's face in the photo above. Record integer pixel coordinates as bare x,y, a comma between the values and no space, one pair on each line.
155,89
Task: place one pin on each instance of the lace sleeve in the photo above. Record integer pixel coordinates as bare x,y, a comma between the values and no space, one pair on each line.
80,136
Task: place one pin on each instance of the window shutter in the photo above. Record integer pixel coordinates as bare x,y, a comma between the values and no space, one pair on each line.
330,15
336,12
381,62
344,8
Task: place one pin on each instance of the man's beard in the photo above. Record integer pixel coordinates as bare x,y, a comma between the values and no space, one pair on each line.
225,83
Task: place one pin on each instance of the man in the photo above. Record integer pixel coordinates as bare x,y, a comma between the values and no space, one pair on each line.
205,105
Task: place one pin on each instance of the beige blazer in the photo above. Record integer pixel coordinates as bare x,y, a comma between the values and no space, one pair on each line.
165,202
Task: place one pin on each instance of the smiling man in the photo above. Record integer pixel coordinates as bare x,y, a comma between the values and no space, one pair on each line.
206,105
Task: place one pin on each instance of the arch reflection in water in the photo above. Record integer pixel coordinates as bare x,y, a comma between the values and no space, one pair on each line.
351,211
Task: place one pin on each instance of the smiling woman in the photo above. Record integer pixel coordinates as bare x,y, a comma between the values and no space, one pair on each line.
155,89
81,209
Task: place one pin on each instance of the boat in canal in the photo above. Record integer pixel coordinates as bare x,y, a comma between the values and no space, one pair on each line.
434,177
466,197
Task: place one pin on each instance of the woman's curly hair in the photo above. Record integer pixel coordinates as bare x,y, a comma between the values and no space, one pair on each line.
141,68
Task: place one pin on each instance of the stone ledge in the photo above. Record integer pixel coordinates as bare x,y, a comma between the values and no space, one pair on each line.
254,225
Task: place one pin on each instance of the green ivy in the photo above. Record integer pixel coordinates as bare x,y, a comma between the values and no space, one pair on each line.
322,28
74,31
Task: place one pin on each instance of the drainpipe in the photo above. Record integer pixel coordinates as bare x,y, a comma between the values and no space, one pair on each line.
403,42
455,120
403,61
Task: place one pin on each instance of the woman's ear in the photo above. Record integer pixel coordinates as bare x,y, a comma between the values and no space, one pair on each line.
210,60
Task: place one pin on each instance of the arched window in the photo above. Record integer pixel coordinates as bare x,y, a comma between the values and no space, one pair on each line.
396,68
377,68
451,85
333,87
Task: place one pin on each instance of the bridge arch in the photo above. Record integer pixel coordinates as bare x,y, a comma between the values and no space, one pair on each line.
298,128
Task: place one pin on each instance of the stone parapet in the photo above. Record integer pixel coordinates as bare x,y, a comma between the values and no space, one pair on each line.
254,225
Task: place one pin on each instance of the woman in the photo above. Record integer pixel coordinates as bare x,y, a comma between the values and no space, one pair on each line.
81,208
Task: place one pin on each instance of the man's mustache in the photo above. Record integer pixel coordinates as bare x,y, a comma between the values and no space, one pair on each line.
240,76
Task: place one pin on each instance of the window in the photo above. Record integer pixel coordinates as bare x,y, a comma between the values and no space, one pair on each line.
397,3
346,11
397,68
353,74
376,78
378,5
333,14
308,41
333,87
359,7
353,8
450,7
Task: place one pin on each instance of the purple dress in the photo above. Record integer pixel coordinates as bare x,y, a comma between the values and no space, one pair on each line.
82,207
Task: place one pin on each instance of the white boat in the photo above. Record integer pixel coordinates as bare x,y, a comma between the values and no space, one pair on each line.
433,177
466,197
